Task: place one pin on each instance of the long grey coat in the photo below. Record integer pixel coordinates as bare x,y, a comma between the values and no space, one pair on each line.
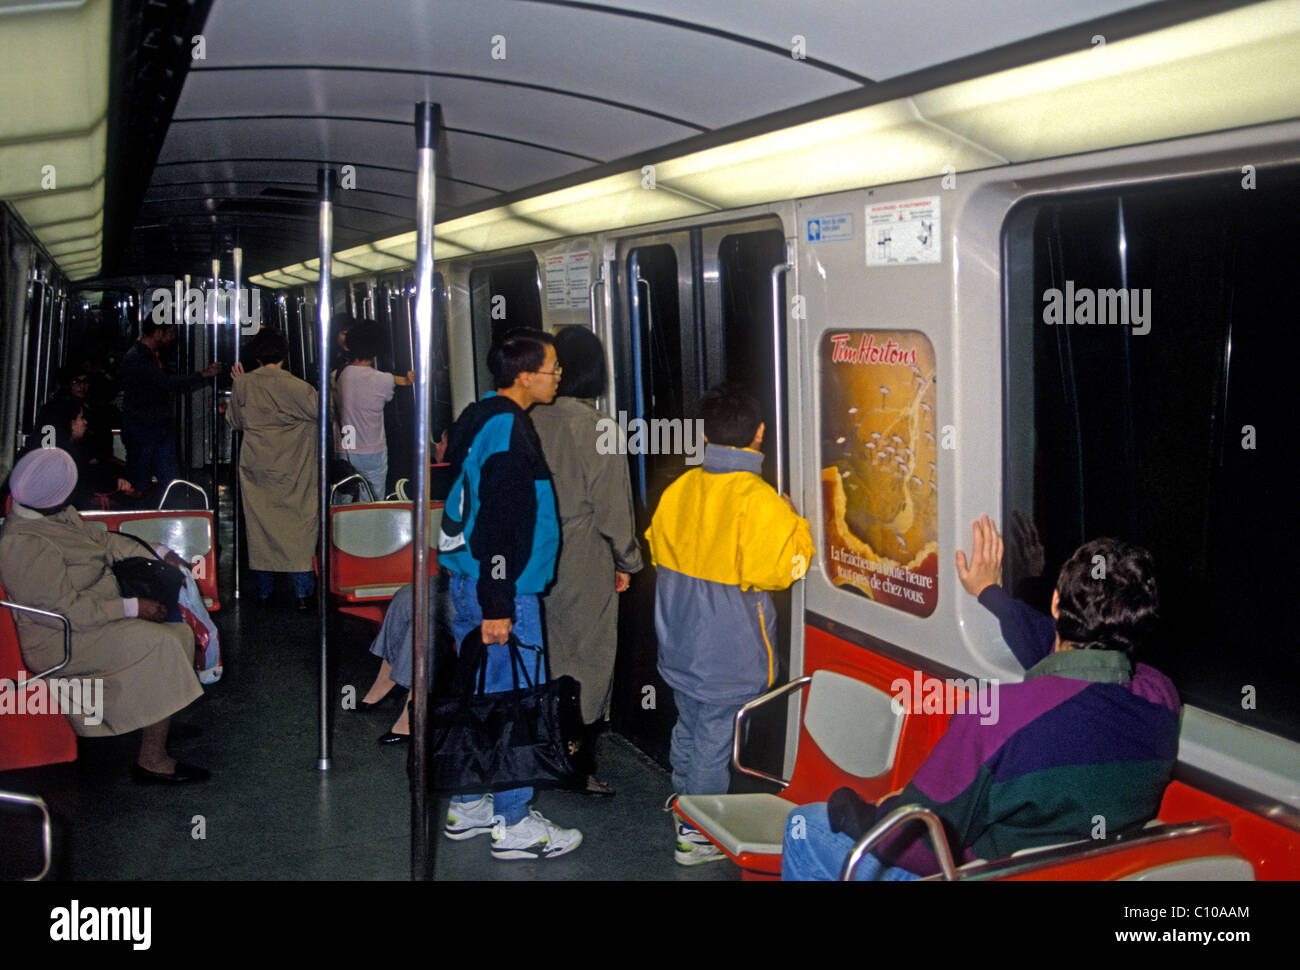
63,564
598,536
277,468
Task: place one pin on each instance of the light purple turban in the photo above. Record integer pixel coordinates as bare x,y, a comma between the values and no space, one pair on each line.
43,478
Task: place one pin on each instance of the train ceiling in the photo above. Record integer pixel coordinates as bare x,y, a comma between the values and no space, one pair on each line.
181,129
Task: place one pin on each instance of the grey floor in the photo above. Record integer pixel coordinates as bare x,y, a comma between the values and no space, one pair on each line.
268,813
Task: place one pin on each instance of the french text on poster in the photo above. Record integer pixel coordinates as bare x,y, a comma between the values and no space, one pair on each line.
904,232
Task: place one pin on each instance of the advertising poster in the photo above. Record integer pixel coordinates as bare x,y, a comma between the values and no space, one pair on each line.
879,456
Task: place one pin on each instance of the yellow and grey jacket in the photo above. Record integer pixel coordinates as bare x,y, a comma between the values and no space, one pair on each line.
721,539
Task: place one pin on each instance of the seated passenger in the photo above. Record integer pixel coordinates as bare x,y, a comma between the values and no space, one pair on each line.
52,559
63,424
393,647
1088,734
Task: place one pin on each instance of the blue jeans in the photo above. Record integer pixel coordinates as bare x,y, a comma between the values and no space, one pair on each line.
303,583
466,616
811,851
700,750
149,450
374,469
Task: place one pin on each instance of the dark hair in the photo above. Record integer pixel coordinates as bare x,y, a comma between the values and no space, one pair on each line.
519,351
579,352
366,340
268,346
1108,597
731,416
71,372
61,412
150,326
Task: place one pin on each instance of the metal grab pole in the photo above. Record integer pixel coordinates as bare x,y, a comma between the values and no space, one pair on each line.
428,121
214,440
324,309
237,511
779,377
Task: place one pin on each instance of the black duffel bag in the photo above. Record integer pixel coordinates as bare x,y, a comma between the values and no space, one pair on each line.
524,737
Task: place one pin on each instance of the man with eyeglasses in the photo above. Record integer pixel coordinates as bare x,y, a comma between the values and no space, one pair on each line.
499,539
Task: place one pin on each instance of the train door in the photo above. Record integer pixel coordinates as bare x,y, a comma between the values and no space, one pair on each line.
693,309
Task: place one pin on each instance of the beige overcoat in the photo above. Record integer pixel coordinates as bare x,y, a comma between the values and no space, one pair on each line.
277,467
597,537
63,563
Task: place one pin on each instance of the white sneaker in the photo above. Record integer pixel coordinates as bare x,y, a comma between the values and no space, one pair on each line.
693,848
211,675
468,819
535,837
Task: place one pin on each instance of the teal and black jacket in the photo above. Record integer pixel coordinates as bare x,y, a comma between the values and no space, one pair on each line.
500,525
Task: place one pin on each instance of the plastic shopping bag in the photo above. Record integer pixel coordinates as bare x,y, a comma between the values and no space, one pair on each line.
207,645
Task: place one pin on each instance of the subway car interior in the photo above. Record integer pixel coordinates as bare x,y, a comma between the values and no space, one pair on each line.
1013,258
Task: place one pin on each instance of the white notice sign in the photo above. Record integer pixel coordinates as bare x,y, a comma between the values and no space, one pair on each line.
568,278
904,232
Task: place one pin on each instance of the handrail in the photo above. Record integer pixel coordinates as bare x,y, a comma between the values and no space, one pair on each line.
759,701
162,502
900,815
359,477
778,376
67,637
1029,860
47,829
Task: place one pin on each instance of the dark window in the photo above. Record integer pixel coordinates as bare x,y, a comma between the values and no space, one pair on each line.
503,297
1175,438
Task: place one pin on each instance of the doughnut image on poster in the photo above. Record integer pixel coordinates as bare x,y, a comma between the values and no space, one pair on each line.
879,456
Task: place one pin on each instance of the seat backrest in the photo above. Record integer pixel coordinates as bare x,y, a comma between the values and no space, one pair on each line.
188,532
853,723
370,544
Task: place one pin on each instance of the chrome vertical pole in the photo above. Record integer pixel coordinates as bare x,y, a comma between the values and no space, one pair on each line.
214,439
428,121
237,511
186,366
778,374
324,309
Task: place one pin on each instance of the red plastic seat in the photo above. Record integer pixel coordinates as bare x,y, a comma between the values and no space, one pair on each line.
28,740
370,554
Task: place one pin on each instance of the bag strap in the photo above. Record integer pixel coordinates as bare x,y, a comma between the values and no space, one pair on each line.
153,554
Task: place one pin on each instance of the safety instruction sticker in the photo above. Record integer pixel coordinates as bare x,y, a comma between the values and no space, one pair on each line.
568,281
903,232
830,228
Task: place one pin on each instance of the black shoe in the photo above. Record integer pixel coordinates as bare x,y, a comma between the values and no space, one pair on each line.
183,773
383,701
389,737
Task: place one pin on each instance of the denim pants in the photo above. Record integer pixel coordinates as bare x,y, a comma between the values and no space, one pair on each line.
465,616
811,851
304,584
700,750
374,469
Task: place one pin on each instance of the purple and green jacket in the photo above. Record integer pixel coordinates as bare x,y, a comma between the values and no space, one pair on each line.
1086,734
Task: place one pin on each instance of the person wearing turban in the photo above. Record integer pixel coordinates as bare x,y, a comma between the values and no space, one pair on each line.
52,559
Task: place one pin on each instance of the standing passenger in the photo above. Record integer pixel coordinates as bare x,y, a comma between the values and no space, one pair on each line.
277,467
722,538
599,549
146,406
363,392
498,540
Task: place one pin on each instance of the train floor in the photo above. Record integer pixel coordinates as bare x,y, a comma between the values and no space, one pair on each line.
268,813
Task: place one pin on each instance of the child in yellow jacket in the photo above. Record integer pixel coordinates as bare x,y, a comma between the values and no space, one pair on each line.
722,538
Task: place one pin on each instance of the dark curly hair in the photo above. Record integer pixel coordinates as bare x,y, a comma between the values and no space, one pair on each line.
1107,597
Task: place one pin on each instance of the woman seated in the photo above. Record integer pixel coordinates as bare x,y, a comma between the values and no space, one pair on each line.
52,559
63,424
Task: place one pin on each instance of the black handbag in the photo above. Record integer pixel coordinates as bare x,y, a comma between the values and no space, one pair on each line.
139,576
524,737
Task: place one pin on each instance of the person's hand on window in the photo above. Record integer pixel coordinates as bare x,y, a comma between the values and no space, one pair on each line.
985,568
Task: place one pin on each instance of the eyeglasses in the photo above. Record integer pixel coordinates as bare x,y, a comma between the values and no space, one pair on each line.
557,372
